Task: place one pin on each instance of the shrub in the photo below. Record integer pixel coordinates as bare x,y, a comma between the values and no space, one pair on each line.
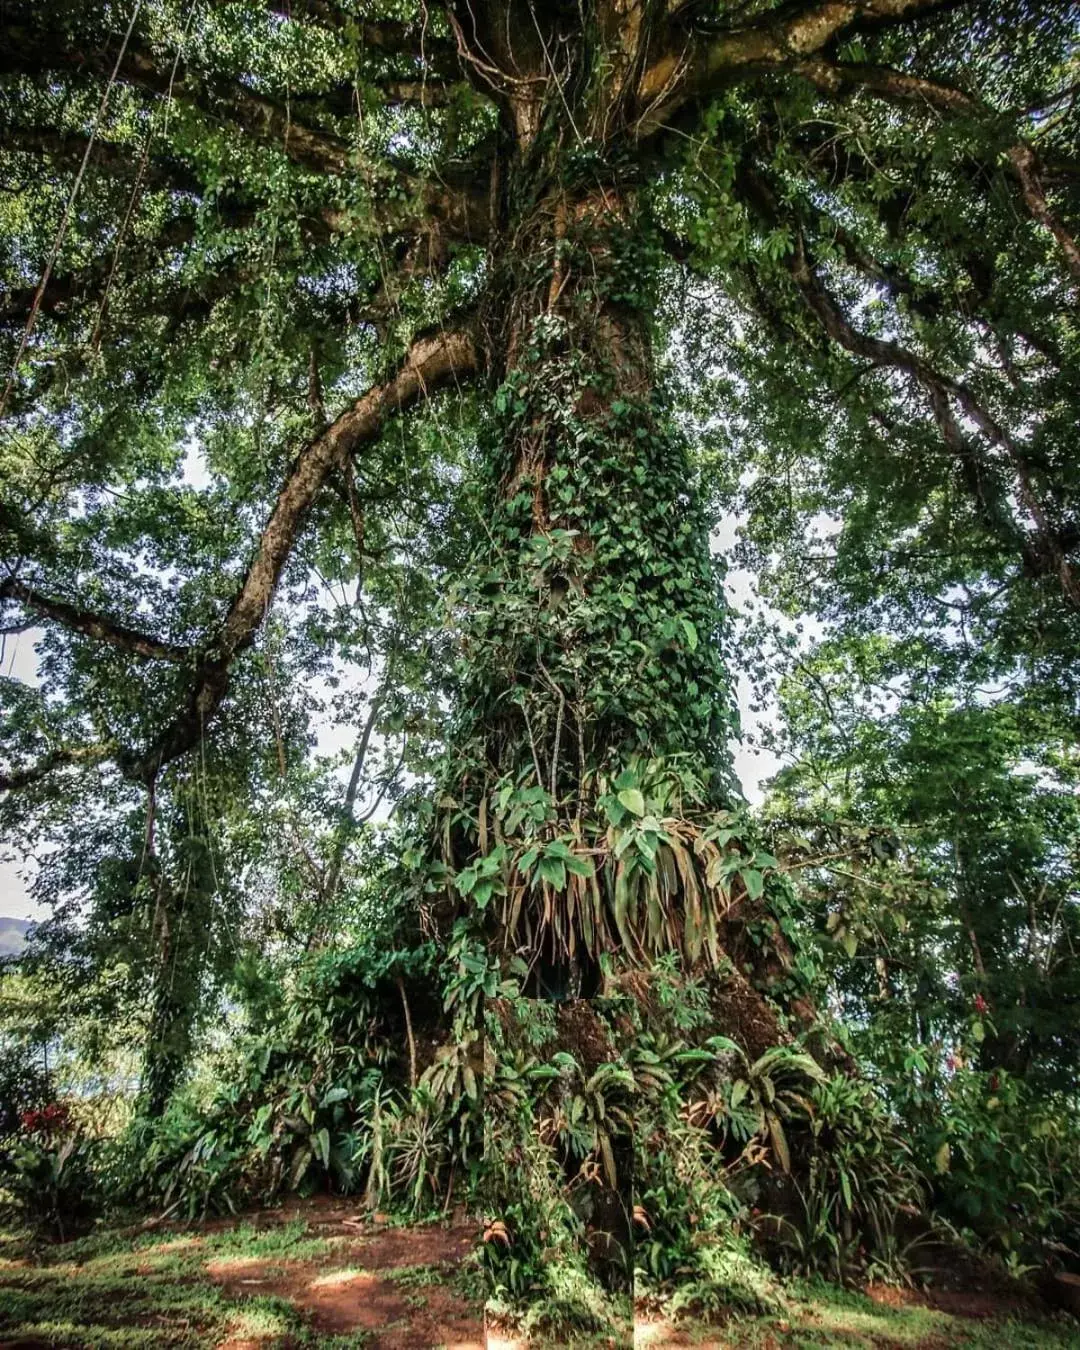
50,1169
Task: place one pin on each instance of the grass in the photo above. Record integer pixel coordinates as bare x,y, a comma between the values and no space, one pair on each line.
118,1291
819,1316
124,1291
115,1291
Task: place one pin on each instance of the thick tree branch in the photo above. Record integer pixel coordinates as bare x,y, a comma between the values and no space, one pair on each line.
430,214
417,240
422,93
694,65
430,363
899,86
67,289
177,301
162,172
56,759
91,624
1026,168
383,35
833,78
32,51
66,148
461,210
1046,554
976,302
384,40
1043,554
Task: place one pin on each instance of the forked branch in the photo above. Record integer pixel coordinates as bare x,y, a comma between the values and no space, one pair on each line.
897,86
430,363
692,66
1047,552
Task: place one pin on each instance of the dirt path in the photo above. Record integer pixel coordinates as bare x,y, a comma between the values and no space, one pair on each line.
399,1287
305,1275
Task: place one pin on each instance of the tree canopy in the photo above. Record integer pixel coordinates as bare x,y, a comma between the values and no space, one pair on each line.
234,225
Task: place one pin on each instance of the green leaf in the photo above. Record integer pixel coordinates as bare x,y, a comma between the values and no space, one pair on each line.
609,1161
779,1142
553,871
322,1146
301,1161
753,881
691,634
723,1045
615,813
632,799
582,867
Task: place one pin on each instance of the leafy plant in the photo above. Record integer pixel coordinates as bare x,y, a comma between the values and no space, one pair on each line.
51,1172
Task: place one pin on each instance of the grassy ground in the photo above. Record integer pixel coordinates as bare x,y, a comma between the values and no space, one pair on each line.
817,1316
319,1278
113,1291
299,1283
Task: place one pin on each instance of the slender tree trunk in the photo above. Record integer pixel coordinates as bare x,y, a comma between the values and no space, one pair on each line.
180,942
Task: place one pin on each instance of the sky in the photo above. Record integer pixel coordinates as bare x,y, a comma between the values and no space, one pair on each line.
20,662
753,767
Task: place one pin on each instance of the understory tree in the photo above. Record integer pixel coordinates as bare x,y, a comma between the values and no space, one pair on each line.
933,828
427,342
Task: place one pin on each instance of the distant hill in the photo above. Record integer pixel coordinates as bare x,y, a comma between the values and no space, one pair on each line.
13,935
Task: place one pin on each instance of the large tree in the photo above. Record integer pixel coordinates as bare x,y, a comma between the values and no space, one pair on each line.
395,273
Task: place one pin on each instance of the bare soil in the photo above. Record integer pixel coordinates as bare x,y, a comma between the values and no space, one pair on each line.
394,1284
977,1304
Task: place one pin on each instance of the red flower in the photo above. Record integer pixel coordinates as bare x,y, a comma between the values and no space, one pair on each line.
55,1116
980,1003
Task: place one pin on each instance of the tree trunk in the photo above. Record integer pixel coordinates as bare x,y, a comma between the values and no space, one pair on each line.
585,817
586,814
